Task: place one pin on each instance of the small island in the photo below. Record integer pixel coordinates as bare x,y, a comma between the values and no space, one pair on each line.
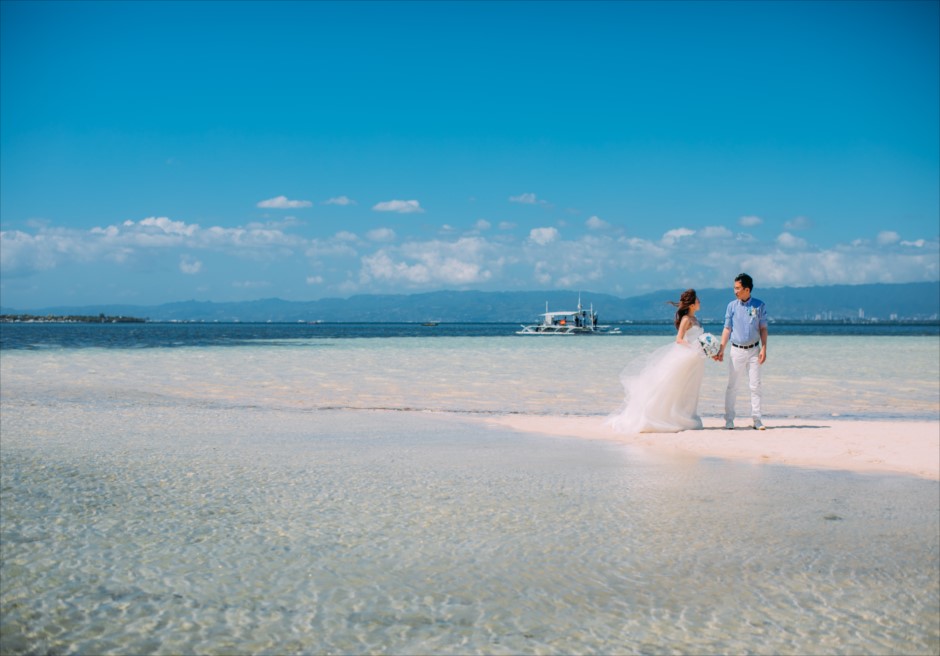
50,318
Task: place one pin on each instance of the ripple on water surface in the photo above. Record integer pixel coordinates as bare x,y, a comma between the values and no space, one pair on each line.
805,376
183,529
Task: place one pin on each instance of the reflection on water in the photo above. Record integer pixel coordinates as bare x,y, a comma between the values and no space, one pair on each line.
160,527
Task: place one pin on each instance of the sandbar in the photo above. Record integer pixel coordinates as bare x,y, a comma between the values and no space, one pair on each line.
902,447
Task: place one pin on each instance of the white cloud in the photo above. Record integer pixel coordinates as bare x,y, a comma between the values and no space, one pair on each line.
786,240
715,232
543,236
110,231
462,262
842,264
506,225
886,237
21,252
337,247
525,199
596,223
166,226
344,262
246,239
381,266
283,203
400,206
381,234
798,223
750,221
24,253
286,222
48,247
189,265
481,225
543,272
340,200
672,236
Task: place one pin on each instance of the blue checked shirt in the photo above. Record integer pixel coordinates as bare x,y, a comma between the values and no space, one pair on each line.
745,320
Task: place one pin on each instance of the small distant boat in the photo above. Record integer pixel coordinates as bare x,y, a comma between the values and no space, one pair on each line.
430,323
568,322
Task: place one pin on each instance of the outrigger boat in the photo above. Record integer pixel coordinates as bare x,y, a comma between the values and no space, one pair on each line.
576,322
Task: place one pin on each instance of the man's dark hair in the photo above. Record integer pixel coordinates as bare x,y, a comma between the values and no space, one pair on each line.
746,281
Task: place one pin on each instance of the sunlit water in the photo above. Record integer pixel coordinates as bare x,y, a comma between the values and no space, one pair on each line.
261,499
806,376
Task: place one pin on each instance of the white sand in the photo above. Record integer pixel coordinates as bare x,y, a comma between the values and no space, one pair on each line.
908,447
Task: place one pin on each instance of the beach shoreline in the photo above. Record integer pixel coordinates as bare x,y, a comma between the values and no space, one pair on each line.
875,446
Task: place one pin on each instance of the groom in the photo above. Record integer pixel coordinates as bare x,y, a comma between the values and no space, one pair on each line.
746,327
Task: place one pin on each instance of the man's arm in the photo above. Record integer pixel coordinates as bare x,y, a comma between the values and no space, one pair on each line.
725,336
763,345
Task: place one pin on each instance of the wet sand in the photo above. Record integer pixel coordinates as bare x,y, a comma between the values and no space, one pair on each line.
903,447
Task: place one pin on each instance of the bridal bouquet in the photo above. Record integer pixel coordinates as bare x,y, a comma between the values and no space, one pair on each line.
710,344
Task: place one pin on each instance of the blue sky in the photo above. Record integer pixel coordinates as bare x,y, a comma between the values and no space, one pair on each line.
157,152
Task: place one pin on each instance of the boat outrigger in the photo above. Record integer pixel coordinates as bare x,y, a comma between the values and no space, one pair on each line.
577,322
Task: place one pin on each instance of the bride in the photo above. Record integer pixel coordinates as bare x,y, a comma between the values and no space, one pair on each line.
662,389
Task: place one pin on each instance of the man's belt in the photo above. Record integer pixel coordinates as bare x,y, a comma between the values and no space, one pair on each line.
750,346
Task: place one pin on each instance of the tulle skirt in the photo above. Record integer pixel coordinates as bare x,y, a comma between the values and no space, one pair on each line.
662,391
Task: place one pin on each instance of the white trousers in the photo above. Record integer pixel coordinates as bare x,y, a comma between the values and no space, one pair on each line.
743,361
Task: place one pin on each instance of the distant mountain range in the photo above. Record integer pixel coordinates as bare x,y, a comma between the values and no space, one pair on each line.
909,301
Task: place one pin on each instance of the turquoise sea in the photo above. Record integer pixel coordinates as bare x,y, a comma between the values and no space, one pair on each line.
281,489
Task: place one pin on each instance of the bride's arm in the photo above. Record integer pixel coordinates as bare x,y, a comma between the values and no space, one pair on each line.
684,324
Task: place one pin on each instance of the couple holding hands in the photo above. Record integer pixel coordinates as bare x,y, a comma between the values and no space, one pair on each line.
662,389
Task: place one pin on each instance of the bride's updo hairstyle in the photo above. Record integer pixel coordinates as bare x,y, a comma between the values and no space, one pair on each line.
686,301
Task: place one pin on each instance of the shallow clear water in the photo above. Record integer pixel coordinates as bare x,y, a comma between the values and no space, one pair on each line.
806,376
251,500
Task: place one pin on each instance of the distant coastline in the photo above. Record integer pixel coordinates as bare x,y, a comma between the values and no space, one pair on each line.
902,302
49,318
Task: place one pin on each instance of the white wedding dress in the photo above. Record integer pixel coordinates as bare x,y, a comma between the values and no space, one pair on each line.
662,389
